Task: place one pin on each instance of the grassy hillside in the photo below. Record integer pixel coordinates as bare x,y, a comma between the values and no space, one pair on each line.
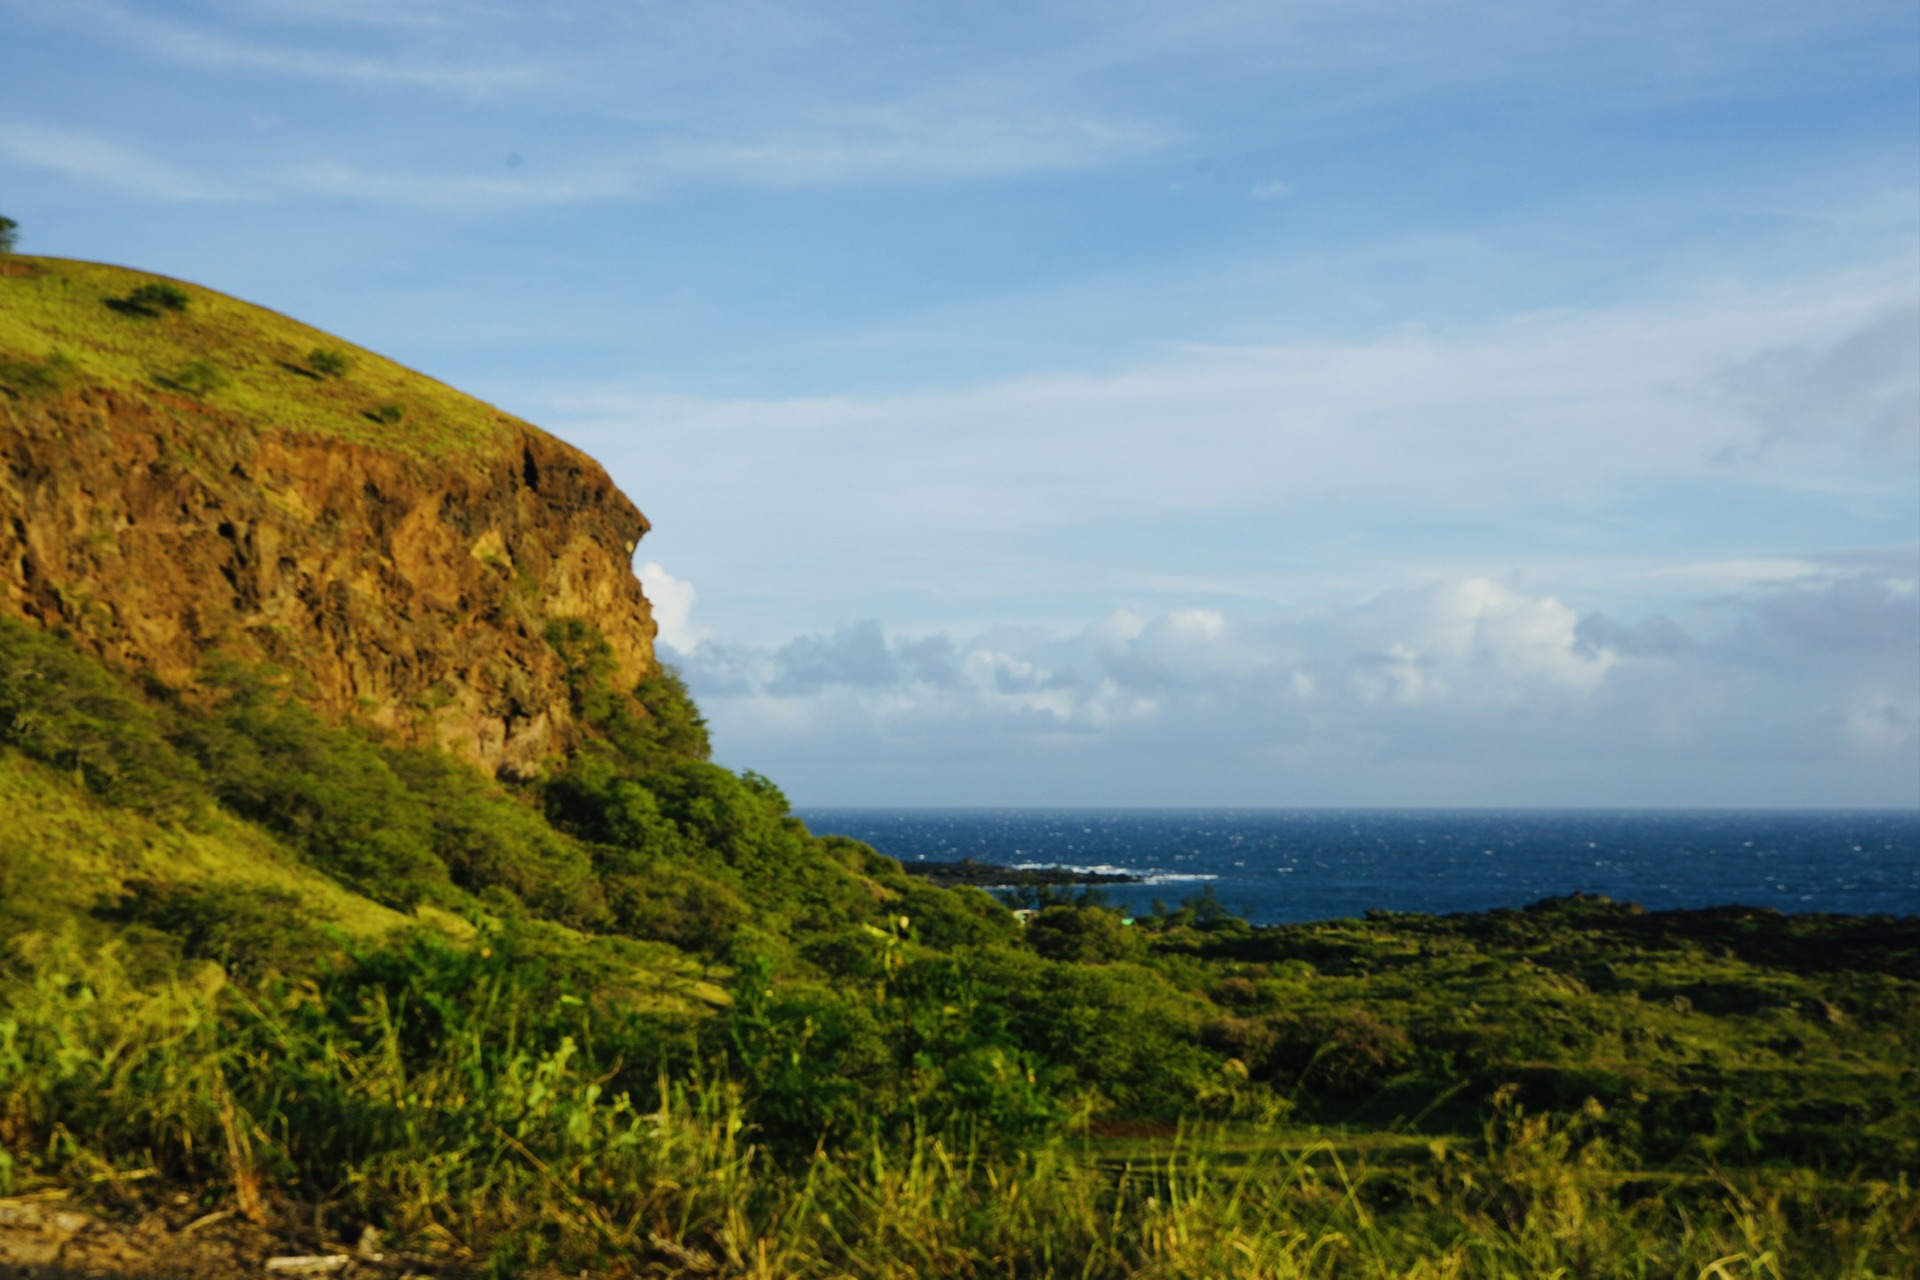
633,1018
265,973
94,323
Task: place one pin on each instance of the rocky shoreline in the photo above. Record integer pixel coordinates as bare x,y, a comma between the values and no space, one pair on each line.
991,875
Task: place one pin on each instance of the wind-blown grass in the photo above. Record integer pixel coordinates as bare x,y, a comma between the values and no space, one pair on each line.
471,1107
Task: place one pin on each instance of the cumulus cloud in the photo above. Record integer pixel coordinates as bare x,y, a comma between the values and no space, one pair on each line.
1551,706
672,600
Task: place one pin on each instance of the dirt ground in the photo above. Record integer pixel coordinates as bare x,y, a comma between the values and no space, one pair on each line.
51,1237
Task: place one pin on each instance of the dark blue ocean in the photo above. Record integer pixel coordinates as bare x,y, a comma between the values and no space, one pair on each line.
1280,865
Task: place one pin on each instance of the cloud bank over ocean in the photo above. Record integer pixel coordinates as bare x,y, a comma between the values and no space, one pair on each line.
1463,692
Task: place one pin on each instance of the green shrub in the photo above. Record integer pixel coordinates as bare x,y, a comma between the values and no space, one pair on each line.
1080,934
662,900
389,413
651,723
488,839
327,791
63,708
1342,1052
154,297
329,362
250,932
35,379
950,918
197,378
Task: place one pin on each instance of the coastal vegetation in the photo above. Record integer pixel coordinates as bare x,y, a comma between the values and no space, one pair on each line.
276,977
633,1018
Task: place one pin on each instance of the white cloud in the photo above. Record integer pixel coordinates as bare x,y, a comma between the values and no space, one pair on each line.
1266,192
466,191
672,600
1571,408
198,46
968,130
84,155
1551,706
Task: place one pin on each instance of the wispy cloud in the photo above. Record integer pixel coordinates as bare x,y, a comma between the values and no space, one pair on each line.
199,46
1572,407
971,131
84,155
468,191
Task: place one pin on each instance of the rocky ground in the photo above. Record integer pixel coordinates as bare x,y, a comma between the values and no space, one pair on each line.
52,1237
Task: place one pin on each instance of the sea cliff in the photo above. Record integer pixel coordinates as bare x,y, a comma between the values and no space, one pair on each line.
183,486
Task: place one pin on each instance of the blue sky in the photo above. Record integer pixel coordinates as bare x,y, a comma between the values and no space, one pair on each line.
1204,403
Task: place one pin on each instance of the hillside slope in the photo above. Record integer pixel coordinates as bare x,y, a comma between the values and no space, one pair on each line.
186,478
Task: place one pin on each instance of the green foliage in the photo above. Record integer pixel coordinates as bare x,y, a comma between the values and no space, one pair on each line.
1581,1086
946,919
153,298
330,362
328,792
654,722
198,378
677,727
249,931
66,710
482,1097
9,235
489,840
35,379
1083,934
389,413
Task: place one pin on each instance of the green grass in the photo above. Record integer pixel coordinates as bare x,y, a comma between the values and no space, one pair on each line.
633,1016
64,322
473,1106
67,852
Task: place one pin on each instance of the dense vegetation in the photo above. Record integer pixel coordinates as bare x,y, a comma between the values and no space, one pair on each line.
634,1017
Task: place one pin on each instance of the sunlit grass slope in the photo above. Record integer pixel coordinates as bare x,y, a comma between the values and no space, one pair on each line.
65,852
63,320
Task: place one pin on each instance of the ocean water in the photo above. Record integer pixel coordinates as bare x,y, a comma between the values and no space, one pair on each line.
1281,865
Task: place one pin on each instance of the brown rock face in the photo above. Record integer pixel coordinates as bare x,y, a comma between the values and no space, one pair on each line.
408,593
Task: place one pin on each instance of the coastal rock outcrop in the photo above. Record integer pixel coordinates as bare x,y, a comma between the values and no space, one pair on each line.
406,587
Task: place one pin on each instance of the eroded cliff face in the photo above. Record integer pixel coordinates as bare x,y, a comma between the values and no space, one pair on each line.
407,592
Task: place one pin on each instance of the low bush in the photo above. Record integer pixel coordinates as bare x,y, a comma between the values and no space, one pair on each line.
34,379
250,932
155,297
329,362
197,378
66,710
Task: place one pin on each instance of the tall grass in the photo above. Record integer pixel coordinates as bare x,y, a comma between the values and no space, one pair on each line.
459,1102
